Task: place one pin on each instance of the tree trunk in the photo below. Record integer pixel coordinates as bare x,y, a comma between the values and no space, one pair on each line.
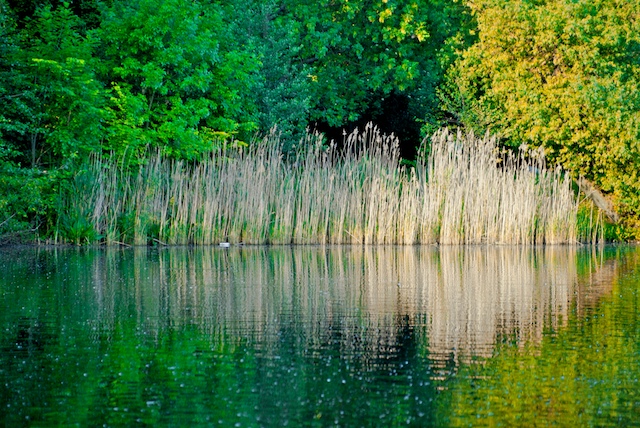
601,201
34,138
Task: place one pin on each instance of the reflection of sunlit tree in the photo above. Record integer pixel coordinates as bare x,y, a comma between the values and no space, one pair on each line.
584,375
178,336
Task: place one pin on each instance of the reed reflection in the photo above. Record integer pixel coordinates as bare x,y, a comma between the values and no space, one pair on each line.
457,301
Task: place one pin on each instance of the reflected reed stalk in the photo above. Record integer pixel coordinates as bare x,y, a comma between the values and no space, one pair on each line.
459,301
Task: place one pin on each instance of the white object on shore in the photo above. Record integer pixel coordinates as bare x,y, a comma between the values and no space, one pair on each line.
225,244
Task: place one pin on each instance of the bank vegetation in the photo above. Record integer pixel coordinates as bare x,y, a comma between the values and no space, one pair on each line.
462,190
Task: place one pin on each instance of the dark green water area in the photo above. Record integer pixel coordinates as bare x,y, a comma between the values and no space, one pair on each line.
320,336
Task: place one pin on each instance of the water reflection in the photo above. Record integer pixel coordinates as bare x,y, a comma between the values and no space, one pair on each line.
465,298
265,336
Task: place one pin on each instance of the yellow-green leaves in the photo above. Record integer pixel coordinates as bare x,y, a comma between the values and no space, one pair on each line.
562,75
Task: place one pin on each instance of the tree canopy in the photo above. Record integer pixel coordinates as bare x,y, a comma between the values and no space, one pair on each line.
128,75
562,75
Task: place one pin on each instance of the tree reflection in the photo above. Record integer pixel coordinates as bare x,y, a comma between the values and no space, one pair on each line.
258,335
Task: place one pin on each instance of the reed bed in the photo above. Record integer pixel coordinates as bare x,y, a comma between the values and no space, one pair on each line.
356,194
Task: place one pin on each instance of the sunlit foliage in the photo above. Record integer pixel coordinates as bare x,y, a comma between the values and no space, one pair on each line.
563,75
129,76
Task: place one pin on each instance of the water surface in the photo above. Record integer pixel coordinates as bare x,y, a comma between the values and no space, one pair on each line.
318,336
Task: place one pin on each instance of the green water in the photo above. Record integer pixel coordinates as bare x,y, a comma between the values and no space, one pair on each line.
314,336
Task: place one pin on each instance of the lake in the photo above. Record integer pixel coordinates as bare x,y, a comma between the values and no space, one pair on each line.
320,336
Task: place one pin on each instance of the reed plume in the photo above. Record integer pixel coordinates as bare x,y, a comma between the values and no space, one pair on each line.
360,193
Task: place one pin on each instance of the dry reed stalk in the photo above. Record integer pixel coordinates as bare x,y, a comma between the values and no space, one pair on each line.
486,204
360,194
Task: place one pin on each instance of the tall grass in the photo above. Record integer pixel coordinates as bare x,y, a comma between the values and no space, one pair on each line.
359,193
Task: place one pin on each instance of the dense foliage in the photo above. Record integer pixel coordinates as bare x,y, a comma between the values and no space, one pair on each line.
85,76
562,75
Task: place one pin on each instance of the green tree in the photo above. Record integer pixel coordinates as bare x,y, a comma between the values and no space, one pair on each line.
360,52
282,90
53,110
177,79
357,49
562,75
10,81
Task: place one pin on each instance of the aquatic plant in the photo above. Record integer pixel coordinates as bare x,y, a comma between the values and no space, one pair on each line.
359,193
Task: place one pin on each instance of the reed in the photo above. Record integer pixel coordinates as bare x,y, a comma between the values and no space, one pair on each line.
358,194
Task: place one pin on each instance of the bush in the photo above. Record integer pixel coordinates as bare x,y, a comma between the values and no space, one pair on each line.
26,199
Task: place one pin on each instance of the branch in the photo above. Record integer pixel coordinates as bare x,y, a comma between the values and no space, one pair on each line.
598,198
10,217
22,94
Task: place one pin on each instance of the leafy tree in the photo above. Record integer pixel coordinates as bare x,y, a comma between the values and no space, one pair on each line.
562,75
364,50
86,10
51,115
356,49
282,89
53,101
176,79
9,79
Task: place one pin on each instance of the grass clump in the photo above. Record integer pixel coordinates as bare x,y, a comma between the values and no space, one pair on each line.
357,194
